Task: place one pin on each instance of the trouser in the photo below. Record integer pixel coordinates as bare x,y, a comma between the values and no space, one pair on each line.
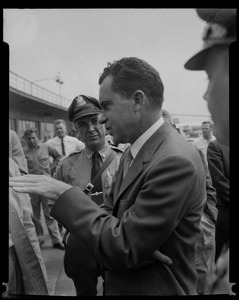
205,255
222,230
15,283
82,267
51,223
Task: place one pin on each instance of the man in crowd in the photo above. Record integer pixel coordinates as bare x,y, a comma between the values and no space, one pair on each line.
202,142
158,194
63,143
27,271
219,34
78,170
38,161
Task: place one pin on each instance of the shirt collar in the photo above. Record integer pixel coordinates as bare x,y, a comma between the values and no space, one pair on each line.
38,145
104,152
138,144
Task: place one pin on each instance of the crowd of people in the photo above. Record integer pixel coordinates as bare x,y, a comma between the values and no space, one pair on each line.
150,217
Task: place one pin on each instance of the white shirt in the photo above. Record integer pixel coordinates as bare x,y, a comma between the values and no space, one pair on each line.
71,144
202,144
138,144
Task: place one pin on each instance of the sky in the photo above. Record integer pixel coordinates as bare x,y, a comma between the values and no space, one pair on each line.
79,43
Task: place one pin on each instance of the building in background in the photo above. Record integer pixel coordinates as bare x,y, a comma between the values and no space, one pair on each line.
30,105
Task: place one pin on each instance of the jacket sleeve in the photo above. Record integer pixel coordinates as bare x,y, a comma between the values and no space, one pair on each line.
167,191
23,204
16,152
56,158
216,168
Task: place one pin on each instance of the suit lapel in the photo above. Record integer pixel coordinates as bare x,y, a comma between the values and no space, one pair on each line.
139,163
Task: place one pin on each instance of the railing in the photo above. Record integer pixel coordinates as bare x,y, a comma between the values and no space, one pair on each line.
37,91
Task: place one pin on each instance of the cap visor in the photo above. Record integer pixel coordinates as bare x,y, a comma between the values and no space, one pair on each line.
197,62
85,113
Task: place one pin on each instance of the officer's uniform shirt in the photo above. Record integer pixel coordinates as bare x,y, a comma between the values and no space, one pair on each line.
76,168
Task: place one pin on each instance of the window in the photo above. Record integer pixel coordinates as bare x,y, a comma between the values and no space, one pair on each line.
24,125
12,124
47,131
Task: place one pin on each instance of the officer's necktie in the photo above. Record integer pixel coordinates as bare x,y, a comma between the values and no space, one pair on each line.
96,165
127,162
28,260
63,146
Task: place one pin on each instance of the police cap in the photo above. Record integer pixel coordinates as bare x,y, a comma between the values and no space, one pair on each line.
220,30
83,106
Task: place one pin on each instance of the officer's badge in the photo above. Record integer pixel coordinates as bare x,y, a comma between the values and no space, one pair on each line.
80,101
108,180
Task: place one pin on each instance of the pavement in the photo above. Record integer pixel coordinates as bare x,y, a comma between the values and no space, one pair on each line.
58,283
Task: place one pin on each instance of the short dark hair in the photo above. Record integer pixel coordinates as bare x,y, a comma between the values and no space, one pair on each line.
207,122
30,131
131,74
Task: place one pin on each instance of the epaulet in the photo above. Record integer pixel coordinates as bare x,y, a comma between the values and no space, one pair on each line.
116,149
73,153
63,159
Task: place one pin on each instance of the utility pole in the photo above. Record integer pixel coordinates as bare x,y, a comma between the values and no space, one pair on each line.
57,78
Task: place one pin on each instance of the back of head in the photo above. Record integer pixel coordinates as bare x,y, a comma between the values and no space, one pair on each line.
167,116
131,74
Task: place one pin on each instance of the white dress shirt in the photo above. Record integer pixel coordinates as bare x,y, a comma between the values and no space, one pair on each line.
71,144
138,144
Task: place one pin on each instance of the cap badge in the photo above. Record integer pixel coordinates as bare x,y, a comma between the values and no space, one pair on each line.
214,31
80,101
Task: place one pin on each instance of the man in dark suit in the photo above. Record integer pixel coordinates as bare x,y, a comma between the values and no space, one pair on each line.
158,202
218,164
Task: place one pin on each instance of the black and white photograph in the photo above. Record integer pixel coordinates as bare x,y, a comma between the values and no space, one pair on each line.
119,147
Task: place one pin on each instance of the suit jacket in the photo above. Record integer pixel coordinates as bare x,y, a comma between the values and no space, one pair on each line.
158,205
218,164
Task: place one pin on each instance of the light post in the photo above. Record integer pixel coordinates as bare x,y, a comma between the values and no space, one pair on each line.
57,78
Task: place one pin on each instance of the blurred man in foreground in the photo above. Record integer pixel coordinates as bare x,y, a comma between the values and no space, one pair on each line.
219,34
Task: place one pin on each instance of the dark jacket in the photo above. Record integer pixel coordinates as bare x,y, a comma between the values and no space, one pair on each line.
218,164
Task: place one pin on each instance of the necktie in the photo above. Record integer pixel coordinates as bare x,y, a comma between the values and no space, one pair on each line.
96,165
63,146
127,162
27,257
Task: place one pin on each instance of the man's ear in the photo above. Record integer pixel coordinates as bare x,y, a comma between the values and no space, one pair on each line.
138,97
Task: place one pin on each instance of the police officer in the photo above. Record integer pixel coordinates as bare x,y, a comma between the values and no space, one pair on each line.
76,169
